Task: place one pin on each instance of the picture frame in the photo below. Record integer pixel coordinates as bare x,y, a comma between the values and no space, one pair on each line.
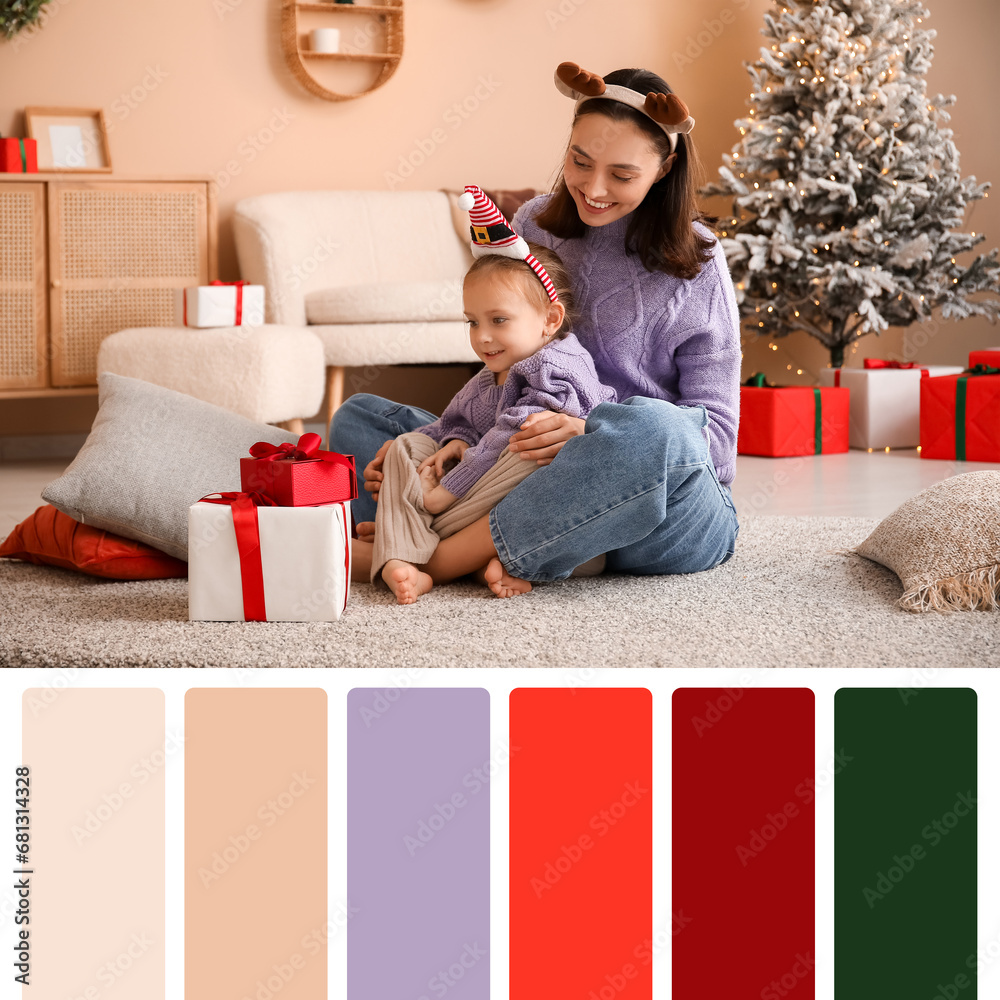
70,140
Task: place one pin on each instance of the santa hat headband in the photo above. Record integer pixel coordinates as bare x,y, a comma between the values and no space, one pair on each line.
492,234
667,110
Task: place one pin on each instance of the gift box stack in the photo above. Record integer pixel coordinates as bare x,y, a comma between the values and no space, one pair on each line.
279,550
885,400
222,303
18,156
960,413
780,421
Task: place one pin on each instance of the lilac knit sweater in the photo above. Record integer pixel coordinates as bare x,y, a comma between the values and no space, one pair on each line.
558,377
651,334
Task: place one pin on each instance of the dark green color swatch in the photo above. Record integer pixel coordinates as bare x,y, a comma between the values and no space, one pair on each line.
905,844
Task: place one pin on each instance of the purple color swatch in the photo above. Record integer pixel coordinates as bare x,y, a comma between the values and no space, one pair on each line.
418,843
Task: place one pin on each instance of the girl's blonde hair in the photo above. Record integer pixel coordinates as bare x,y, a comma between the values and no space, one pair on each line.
533,289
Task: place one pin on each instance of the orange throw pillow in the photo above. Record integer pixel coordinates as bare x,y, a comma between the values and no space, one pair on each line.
51,538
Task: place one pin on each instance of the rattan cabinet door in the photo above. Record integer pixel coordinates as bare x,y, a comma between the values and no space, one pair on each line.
117,251
23,327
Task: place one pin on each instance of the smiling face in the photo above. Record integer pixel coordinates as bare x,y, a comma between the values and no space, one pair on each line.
505,325
610,166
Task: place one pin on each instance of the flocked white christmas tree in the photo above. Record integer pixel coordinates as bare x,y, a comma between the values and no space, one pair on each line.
846,188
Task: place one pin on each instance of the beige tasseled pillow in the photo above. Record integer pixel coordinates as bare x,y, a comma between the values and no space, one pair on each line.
944,544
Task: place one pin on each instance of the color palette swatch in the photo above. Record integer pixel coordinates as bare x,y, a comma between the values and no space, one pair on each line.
905,844
94,871
417,780
743,843
255,853
581,843
418,843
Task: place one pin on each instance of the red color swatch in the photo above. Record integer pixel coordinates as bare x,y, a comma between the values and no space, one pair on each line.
744,790
581,844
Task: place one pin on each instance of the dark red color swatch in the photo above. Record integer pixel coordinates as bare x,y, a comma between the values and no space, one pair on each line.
744,788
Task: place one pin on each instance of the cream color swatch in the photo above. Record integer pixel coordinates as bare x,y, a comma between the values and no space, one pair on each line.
96,853
255,868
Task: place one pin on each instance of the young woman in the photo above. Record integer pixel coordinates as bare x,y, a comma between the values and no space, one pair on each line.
646,480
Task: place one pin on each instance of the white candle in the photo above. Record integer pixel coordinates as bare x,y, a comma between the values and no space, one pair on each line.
324,39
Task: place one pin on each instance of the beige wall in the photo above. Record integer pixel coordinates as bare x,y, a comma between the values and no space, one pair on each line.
200,87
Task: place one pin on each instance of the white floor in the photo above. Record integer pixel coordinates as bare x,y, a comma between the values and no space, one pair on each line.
856,484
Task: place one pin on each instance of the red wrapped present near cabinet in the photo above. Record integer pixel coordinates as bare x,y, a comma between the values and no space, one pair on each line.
780,421
960,416
18,156
990,356
299,475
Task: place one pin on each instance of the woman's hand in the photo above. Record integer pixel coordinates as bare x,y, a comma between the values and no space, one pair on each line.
373,471
453,449
543,434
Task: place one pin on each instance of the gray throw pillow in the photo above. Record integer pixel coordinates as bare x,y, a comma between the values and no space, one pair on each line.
944,544
151,453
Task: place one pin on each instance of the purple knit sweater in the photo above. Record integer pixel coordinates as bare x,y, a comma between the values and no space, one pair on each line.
558,377
651,334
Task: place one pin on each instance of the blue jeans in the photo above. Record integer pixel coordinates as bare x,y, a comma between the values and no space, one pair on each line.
639,485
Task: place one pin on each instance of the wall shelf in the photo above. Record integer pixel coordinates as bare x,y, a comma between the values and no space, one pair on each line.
358,8
389,14
356,56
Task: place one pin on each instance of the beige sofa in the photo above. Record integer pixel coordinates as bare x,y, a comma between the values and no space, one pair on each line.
376,275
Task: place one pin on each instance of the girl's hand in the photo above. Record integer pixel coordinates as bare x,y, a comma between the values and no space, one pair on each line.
453,449
373,471
543,434
436,497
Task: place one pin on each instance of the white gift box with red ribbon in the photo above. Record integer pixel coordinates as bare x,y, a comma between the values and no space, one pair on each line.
268,563
235,303
885,402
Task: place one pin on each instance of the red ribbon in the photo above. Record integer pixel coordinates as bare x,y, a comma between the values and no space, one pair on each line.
306,448
244,506
879,363
239,298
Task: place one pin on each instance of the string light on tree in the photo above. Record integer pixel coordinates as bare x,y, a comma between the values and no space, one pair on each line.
849,194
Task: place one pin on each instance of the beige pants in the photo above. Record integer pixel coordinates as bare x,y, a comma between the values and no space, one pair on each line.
403,527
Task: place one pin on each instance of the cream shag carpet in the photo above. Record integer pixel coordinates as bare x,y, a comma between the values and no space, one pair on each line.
788,598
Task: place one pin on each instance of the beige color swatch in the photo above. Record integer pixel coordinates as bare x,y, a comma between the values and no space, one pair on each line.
97,760
255,869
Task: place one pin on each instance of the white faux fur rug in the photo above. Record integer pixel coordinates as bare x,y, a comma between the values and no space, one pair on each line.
786,599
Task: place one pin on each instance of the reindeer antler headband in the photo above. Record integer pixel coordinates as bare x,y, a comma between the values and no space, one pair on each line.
667,110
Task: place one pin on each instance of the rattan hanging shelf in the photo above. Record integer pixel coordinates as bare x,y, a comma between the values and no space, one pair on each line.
389,12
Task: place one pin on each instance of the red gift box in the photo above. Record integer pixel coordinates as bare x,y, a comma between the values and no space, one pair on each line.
793,420
990,356
299,475
960,417
18,156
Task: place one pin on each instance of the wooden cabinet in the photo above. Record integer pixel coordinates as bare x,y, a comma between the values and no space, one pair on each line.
80,259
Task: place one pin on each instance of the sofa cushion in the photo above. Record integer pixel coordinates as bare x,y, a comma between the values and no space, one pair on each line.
50,538
151,453
944,544
387,302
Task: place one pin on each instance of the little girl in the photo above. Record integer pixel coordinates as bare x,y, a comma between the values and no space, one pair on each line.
447,474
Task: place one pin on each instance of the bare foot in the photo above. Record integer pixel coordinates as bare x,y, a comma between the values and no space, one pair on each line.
501,582
365,530
406,581
361,560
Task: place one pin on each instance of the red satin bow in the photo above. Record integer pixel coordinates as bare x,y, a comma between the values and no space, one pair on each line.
244,506
239,297
306,448
879,363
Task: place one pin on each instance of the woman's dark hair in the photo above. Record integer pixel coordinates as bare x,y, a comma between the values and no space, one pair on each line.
533,289
660,230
